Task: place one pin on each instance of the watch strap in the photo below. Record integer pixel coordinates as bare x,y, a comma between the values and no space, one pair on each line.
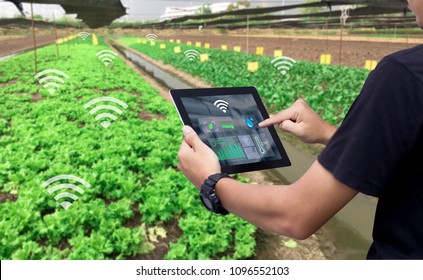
208,189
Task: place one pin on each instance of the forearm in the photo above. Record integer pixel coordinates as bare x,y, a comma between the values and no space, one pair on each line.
296,210
266,206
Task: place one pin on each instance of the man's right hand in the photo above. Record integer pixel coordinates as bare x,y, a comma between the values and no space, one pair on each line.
303,122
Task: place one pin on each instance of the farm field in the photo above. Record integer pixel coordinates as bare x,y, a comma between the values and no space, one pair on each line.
137,206
328,89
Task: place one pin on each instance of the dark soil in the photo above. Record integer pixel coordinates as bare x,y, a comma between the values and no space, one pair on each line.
10,46
354,53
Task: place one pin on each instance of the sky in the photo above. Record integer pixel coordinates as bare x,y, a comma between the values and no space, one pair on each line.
137,9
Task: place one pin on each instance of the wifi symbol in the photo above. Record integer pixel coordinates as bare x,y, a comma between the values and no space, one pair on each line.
151,37
105,123
83,35
222,105
106,56
283,63
65,194
191,54
51,82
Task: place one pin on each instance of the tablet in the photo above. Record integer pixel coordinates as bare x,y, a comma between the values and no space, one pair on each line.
226,119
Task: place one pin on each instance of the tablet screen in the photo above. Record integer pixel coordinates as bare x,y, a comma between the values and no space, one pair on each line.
228,124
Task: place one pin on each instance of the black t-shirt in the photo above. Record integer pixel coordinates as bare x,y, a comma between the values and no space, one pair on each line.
378,150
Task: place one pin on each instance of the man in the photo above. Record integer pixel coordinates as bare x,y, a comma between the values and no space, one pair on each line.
378,150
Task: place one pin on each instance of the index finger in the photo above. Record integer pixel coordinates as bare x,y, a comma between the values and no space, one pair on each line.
283,115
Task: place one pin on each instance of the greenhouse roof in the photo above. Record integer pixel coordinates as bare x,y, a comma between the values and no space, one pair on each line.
95,13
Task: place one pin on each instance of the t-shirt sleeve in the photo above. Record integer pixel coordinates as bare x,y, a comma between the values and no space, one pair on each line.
379,131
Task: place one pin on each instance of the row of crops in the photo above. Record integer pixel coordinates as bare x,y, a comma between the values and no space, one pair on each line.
135,189
328,89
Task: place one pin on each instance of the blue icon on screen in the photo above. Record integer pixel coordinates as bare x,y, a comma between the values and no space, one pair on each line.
249,121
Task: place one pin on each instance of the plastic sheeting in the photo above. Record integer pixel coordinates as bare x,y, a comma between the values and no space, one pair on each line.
95,13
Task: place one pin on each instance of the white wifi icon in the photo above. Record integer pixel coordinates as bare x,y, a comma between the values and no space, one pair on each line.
83,35
53,80
222,105
64,193
151,37
105,123
191,54
283,63
106,56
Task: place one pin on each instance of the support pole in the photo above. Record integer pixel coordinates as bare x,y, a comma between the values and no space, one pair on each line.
55,33
248,32
33,40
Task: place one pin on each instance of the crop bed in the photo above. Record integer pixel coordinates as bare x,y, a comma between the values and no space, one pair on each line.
329,90
135,192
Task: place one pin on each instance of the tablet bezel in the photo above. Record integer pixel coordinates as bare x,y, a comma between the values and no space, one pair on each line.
177,94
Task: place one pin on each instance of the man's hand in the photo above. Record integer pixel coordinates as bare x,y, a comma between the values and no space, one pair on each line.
303,122
196,160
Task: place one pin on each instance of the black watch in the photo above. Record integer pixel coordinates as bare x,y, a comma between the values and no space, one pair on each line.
208,194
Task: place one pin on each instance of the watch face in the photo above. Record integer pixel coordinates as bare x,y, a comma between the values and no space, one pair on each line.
206,202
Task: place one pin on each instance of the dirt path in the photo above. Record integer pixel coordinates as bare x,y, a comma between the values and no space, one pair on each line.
12,45
354,53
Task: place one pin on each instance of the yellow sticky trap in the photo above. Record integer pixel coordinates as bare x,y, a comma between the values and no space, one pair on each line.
152,43
325,59
224,47
259,51
278,53
177,49
207,45
189,43
370,64
95,40
171,41
162,46
59,41
253,66
204,57
237,48
178,41
198,44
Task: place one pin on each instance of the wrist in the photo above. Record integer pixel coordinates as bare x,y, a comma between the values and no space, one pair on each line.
329,132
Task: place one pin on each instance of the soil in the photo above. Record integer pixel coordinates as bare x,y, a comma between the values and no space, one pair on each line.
10,45
351,53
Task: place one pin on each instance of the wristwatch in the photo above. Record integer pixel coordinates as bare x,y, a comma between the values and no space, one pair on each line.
208,194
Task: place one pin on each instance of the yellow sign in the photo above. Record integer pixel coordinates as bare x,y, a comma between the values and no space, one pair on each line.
95,40
171,41
370,64
189,43
177,49
207,45
237,48
204,57
325,59
178,41
278,53
259,51
198,44
162,46
224,47
253,66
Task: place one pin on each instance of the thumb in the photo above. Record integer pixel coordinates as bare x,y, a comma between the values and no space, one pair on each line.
290,126
191,137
